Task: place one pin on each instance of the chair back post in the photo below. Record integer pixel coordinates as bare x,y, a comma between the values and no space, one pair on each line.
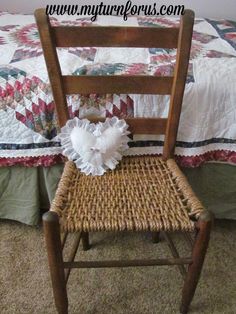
53,65
180,74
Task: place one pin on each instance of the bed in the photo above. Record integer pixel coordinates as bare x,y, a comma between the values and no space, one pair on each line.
30,153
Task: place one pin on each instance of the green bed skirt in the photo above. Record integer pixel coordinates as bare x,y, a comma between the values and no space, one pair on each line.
25,191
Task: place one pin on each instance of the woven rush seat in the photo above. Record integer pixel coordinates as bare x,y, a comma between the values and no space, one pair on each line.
142,193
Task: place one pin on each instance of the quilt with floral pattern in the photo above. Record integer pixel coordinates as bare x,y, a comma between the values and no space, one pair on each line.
28,127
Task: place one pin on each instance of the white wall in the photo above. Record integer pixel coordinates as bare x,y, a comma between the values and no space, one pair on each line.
202,8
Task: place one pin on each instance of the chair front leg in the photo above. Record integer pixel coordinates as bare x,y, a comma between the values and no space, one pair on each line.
204,225
55,259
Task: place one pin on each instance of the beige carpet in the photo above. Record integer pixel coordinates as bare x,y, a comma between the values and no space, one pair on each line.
25,284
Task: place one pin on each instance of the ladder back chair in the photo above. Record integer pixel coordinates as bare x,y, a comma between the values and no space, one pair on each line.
144,193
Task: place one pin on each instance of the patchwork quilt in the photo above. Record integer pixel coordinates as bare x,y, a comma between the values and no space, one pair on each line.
28,127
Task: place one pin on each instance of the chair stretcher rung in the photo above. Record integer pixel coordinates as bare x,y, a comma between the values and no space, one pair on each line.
131,263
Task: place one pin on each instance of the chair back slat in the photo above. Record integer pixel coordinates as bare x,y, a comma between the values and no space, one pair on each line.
141,125
115,36
114,84
99,36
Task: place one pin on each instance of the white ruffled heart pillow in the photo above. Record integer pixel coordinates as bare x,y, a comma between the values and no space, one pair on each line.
94,147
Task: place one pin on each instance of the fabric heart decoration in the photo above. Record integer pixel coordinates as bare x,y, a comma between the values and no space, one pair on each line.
94,147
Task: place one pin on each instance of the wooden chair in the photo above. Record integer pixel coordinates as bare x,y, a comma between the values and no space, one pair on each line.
147,193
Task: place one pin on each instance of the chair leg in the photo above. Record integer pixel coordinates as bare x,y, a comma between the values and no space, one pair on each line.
155,237
85,241
55,259
204,225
